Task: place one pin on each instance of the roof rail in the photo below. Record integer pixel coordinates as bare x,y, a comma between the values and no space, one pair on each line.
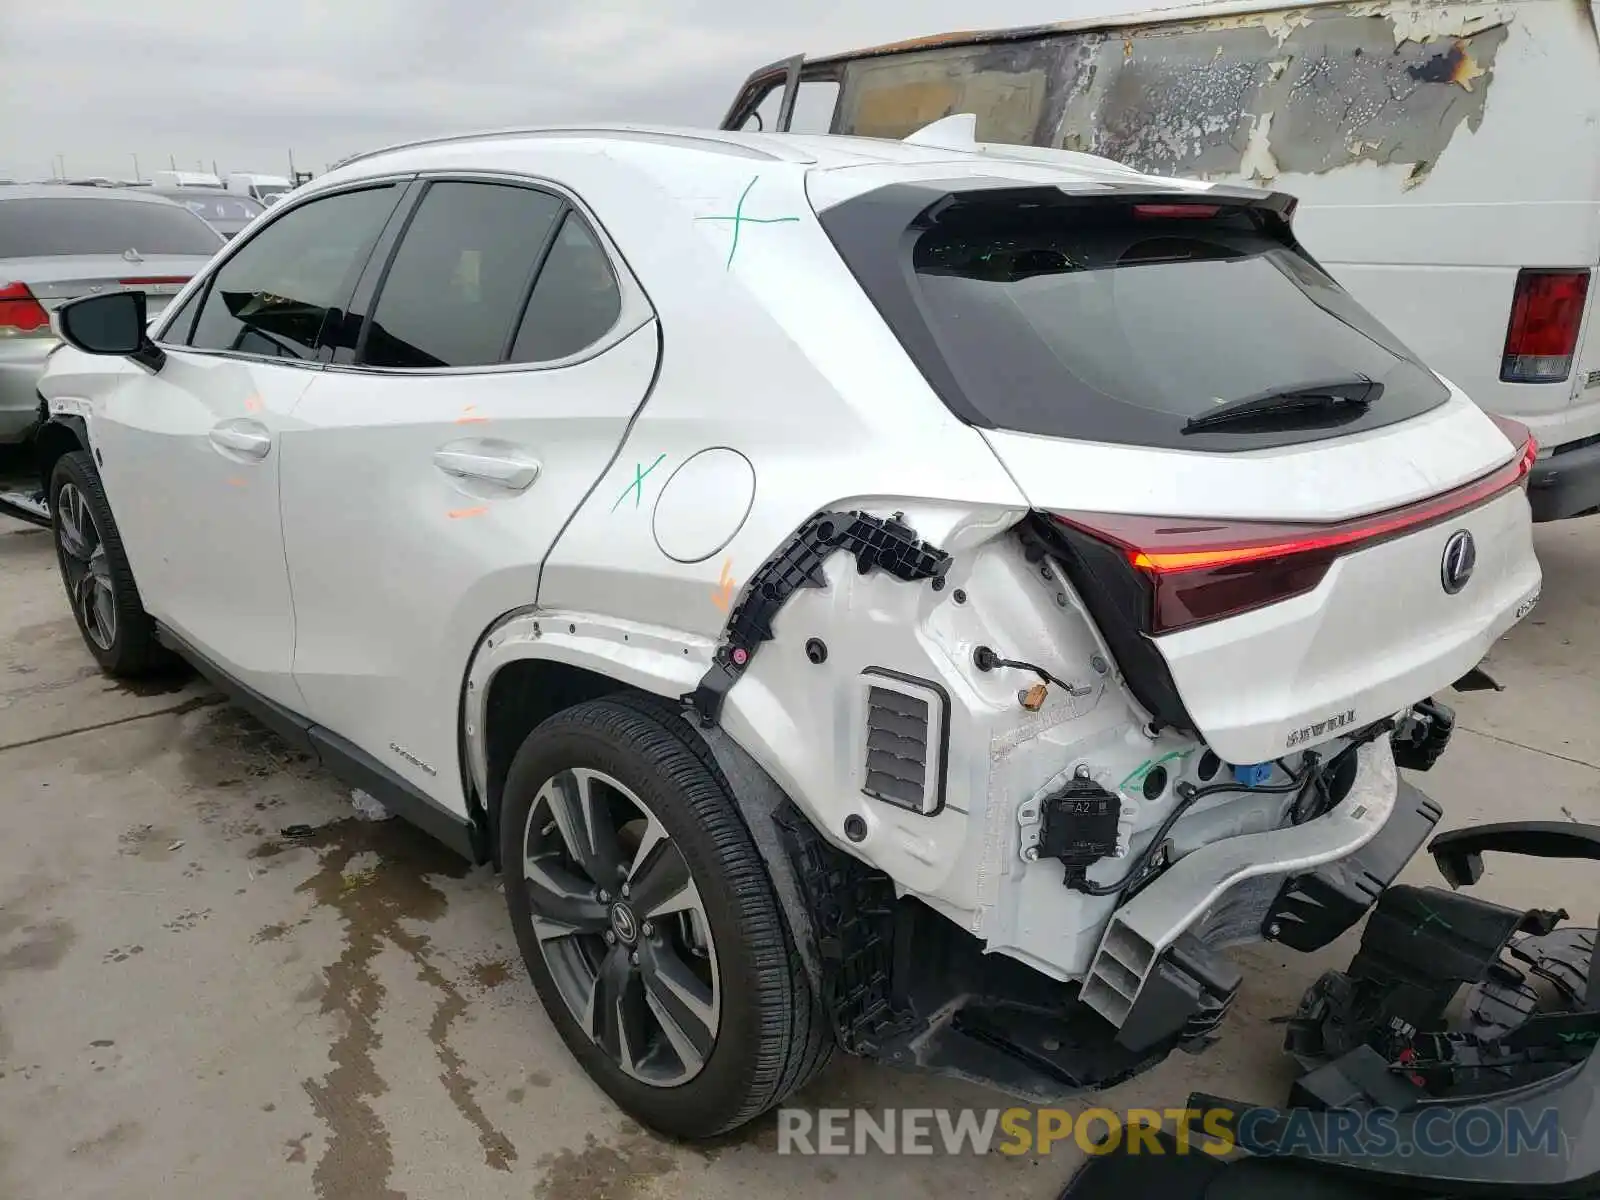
643,132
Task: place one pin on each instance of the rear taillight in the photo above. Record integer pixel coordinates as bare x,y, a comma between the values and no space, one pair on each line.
1520,436
1546,316
154,280
1203,570
20,314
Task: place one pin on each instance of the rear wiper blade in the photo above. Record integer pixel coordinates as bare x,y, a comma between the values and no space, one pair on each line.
1355,391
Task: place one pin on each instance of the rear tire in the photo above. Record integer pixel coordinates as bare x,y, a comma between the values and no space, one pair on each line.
692,1033
94,569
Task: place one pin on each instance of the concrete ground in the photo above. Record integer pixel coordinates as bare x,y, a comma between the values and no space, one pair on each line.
193,1004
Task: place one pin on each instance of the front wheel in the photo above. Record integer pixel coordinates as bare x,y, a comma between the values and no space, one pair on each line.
648,924
99,582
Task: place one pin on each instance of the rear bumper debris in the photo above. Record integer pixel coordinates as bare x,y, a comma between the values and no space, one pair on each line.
1566,484
1396,1102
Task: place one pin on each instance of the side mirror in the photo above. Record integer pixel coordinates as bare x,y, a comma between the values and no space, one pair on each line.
112,325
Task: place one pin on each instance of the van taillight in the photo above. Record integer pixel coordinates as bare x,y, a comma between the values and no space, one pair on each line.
1546,315
20,314
1198,570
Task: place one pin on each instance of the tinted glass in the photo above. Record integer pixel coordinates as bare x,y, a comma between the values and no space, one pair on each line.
216,206
457,282
1115,322
272,297
176,331
49,227
575,301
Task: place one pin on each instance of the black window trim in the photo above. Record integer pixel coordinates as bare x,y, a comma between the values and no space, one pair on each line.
634,313
376,270
201,284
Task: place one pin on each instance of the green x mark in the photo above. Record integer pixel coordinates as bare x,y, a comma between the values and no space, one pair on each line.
739,220
637,486
1432,918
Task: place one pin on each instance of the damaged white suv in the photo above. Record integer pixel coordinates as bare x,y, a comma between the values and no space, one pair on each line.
926,598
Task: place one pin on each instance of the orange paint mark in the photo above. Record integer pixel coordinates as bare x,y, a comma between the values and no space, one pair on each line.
456,514
253,404
469,415
236,481
724,593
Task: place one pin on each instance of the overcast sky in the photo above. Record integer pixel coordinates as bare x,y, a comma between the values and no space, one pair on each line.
243,83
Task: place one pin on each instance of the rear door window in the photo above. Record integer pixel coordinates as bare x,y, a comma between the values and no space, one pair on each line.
50,227
273,297
1118,322
456,285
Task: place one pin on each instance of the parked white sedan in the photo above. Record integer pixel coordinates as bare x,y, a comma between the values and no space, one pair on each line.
921,598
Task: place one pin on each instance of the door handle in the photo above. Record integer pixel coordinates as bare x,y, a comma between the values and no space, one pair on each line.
498,463
247,439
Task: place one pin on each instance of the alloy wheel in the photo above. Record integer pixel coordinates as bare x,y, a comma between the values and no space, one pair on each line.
621,926
88,570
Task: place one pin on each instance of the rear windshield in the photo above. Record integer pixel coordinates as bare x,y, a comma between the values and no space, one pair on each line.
1120,321
49,227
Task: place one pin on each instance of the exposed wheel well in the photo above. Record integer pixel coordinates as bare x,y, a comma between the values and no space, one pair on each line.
51,442
521,695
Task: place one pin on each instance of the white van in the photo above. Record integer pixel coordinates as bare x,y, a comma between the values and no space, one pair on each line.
1446,156
263,188
185,179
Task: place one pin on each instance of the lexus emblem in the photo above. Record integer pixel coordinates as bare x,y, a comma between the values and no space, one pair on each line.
1460,557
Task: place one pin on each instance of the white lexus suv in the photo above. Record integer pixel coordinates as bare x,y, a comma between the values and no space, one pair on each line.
924,598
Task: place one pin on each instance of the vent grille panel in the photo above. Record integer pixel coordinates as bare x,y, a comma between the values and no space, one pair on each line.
896,750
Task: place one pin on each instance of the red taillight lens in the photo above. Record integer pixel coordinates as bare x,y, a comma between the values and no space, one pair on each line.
1204,570
1520,436
1546,315
20,314
153,280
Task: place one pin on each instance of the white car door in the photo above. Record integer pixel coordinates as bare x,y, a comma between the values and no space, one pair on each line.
192,454
431,467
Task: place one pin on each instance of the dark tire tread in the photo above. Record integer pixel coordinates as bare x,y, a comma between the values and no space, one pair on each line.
135,651
792,1041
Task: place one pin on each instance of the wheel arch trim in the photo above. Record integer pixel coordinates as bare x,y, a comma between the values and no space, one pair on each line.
651,658
57,428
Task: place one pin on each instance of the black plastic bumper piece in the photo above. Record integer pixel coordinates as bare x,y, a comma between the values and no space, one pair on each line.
1423,735
1314,908
1459,853
1316,1161
1183,1000
887,544
1417,1162
1566,484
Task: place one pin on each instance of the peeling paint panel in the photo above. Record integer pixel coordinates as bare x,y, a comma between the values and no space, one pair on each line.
1306,90
1339,85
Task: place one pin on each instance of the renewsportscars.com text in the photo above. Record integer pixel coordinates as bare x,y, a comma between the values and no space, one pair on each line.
1473,1131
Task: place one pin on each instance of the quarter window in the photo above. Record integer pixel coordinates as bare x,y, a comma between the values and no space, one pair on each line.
460,277
575,301
273,297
